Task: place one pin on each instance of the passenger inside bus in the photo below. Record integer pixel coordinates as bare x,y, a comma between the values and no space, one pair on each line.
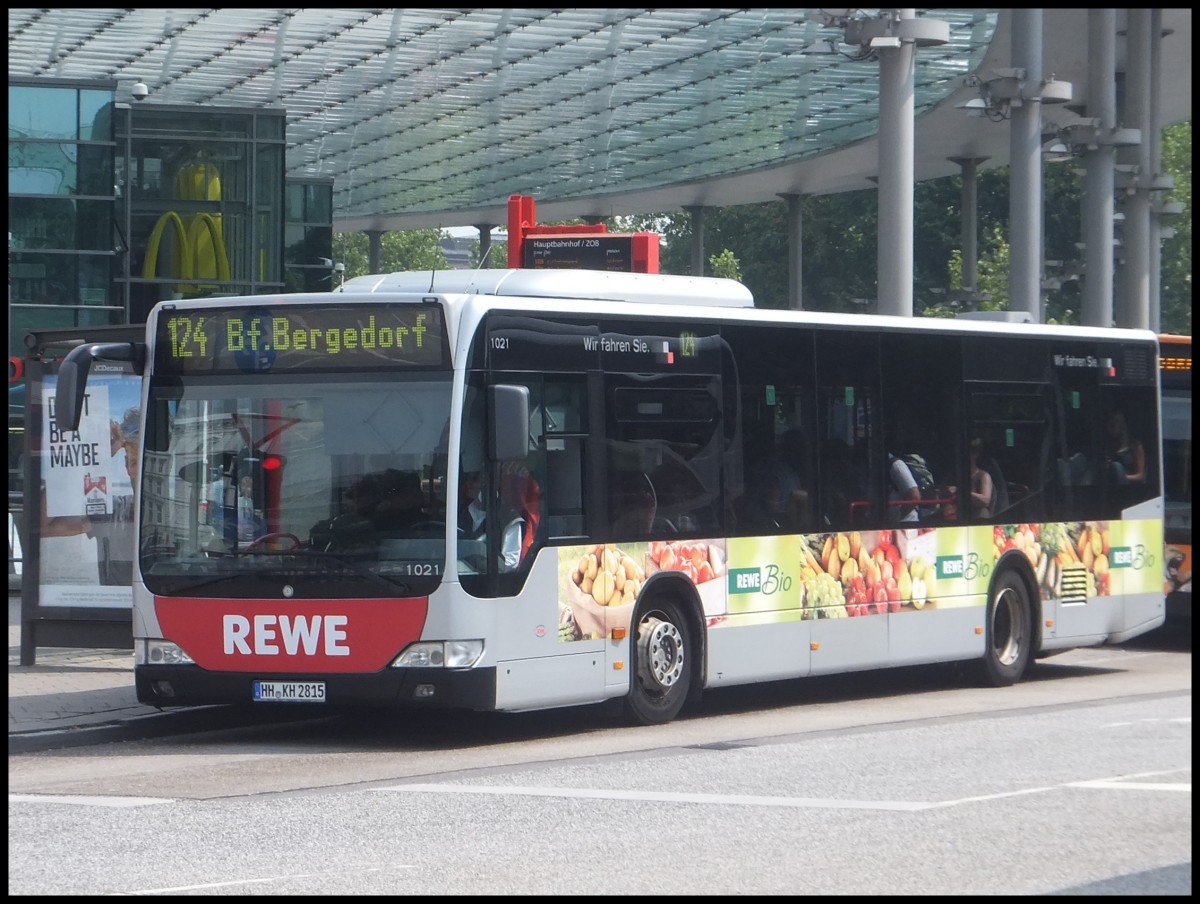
1125,455
250,525
222,500
983,487
473,524
903,490
471,509
788,497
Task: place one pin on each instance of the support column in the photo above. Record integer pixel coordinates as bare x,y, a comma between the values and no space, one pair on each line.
1155,239
795,242
970,229
894,271
893,38
1025,170
1098,170
374,249
1132,307
697,215
485,243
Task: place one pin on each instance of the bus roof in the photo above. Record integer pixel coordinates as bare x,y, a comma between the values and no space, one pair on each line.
599,285
645,289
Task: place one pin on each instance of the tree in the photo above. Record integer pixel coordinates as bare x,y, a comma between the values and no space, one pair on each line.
725,265
497,258
991,270
1176,284
401,249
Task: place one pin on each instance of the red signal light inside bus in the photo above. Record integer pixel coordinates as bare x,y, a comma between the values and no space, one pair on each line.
272,462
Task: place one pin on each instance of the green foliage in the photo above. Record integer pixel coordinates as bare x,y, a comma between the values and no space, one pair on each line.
405,249
991,270
1175,289
497,258
725,265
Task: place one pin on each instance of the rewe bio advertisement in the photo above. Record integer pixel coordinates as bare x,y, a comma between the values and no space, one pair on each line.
853,574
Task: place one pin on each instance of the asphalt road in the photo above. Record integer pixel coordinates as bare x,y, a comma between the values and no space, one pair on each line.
1076,781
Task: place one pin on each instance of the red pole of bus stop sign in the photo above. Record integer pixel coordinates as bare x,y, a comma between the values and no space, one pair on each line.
522,215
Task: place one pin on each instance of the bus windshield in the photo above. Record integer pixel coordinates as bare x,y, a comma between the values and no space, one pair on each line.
330,485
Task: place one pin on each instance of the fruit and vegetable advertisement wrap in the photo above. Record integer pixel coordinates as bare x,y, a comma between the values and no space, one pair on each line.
1081,559
599,583
850,574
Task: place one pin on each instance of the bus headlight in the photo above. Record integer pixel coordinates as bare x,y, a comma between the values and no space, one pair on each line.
159,652
437,654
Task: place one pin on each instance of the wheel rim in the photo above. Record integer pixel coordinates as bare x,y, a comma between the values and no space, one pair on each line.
1008,626
662,656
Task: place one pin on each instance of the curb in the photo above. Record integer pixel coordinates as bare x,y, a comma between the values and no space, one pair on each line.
153,725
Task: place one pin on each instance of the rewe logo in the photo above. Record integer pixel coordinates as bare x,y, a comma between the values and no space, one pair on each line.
744,580
264,635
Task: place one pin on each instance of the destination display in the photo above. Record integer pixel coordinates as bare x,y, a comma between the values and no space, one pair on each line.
584,252
526,342
297,338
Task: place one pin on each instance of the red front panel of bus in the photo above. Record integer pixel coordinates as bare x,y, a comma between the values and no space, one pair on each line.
292,636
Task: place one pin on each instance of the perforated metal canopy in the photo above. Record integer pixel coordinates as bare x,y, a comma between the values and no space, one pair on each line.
435,116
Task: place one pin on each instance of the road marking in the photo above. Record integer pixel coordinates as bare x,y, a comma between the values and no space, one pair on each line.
1136,786
85,801
673,797
265,879
1120,783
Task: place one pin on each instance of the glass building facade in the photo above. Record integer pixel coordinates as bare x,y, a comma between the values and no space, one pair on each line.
308,236
61,209
113,207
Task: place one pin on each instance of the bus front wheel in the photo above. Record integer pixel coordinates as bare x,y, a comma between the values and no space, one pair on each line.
662,667
1009,631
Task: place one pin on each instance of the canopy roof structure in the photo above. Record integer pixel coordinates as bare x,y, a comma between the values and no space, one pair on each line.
434,117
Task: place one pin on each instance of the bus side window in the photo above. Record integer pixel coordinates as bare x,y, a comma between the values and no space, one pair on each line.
850,475
922,416
848,494
1012,422
562,419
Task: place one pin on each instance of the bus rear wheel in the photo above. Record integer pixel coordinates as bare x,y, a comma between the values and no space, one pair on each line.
661,667
1009,631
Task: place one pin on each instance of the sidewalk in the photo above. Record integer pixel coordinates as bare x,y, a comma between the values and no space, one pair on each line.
70,696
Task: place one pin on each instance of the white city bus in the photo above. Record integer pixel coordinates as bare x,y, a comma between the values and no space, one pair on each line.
679,491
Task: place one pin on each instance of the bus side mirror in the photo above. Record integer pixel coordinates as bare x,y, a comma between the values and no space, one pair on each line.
509,439
70,388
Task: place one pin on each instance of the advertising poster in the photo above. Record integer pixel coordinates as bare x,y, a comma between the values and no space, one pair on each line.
88,479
